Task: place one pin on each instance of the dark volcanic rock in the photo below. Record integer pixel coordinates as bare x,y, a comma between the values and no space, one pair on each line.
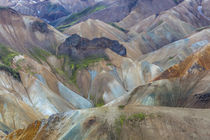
203,97
78,47
40,26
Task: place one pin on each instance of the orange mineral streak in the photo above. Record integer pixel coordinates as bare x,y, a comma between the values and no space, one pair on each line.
25,134
200,58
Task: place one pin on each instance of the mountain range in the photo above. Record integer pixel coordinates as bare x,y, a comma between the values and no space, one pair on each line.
104,69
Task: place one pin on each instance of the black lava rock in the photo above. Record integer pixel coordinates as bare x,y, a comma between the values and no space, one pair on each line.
76,46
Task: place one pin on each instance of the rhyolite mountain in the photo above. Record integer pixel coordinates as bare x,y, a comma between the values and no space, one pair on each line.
113,11
25,33
104,69
65,13
51,10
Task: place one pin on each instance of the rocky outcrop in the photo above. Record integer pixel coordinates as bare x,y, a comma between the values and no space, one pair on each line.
80,48
91,29
40,27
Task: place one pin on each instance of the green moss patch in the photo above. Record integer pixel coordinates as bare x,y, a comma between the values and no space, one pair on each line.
126,120
171,57
119,124
39,54
137,117
3,8
70,67
177,1
11,71
74,18
118,27
7,55
202,28
62,27
82,64
121,106
100,102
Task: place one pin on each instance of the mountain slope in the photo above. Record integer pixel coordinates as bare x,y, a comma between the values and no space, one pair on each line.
166,27
24,33
163,92
30,91
95,29
131,122
144,9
